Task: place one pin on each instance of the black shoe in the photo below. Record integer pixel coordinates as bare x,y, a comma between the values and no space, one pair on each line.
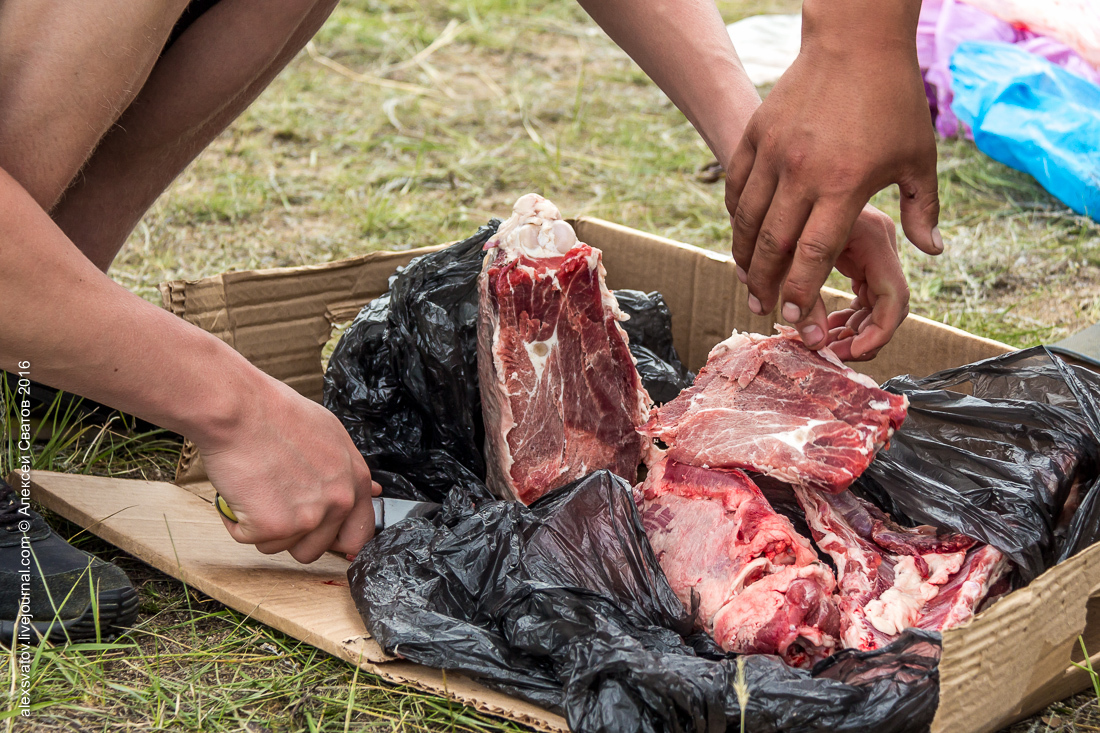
58,580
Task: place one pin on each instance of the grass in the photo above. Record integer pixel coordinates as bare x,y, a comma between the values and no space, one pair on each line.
409,123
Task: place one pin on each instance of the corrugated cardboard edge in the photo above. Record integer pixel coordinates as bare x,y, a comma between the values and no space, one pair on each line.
1012,660
280,318
177,532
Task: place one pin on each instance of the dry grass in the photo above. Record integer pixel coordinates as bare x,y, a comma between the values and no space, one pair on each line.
409,124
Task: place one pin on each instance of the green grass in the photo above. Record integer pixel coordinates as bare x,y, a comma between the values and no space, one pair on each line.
374,143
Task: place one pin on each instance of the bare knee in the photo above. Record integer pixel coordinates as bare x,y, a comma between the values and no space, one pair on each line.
67,71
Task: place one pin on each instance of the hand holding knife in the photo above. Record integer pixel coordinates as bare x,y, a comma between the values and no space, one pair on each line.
387,511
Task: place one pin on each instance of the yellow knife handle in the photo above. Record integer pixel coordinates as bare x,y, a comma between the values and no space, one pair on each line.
223,508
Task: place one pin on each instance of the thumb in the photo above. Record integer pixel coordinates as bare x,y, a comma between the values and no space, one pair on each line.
920,212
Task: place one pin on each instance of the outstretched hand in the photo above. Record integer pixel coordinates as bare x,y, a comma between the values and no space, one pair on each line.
849,118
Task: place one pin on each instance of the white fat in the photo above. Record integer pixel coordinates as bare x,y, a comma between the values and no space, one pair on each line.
799,437
734,342
536,229
879,405
899,607
737,584
539,353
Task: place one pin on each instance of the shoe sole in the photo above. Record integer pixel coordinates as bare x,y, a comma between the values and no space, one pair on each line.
118,609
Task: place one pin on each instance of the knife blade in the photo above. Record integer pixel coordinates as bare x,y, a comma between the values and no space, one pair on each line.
387,511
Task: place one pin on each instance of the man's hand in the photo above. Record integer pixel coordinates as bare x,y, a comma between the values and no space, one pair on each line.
882,295
293,478
849,118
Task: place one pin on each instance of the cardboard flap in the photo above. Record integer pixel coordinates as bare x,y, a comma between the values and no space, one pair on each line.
1013,659
181,534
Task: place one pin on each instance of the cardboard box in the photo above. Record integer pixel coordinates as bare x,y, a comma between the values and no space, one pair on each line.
1009,662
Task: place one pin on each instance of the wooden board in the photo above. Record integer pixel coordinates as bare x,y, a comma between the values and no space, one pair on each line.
178,532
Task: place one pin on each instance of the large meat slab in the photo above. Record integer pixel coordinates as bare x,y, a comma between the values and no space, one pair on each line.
754,583
560,394
771,405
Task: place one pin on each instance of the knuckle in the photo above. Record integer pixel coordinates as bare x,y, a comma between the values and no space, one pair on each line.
343,502
795,162
743,221
771,244
308,519
800,293
815,250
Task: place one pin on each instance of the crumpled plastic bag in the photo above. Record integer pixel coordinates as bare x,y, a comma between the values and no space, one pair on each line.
994,450
944,24
649,329
403,378
563,603
1033,116
767,45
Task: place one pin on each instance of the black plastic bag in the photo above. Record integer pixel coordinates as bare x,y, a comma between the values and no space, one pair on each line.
994,450
649,329
403,379
564,604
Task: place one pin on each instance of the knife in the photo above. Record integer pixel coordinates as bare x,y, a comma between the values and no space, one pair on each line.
387,511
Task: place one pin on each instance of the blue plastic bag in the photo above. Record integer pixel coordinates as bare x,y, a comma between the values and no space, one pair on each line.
1033,116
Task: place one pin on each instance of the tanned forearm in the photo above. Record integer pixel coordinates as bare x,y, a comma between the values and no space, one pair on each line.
861,27
684,47
85,334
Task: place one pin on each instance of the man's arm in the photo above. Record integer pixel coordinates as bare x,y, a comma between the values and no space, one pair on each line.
285,464
822,142
684,47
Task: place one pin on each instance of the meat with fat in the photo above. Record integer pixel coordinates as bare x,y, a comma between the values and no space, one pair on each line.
560,394
769,404
891,578
754,583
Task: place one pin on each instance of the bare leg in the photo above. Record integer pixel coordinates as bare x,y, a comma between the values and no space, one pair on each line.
204,81
67,71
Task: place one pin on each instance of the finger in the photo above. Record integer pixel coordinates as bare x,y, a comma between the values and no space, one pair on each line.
775,247
748,216
839,319
375,488
822,240
857,319
314,544
243,532
274,547
358,527
842,347
920,212
891,306
814,329
738,170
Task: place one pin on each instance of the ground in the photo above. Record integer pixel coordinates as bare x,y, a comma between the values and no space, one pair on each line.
410,123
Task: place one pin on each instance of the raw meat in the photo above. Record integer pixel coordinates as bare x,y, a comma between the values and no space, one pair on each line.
754,583
891,578
560,395
771,405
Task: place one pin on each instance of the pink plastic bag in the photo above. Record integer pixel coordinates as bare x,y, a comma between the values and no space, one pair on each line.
944,24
